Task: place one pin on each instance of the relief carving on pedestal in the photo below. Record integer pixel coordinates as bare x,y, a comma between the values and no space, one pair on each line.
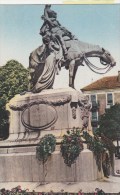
39,116
54,102
85,107
41,113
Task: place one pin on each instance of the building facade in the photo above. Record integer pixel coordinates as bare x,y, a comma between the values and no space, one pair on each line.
103,93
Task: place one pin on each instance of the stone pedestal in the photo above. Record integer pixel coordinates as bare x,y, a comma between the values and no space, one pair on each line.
31,117
21,165
51,111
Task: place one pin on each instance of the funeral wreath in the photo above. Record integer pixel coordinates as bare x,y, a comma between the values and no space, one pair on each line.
45,147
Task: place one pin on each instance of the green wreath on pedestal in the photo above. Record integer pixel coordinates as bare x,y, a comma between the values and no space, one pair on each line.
71,146
45,147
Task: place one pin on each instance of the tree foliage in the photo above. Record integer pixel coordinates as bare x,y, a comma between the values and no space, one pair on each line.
99,145
13,80
110,122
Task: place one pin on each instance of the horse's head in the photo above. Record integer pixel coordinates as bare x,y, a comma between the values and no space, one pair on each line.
106,58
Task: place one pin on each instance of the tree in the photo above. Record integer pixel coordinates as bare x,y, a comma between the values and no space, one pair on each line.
13,80
109,123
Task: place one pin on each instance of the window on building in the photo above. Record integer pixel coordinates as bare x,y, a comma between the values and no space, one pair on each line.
94,121
93,98
94,103
94,112
109,99
94,116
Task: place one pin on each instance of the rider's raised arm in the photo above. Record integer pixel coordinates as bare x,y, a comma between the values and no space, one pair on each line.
46,10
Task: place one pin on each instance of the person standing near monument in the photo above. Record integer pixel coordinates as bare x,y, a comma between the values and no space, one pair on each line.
106,163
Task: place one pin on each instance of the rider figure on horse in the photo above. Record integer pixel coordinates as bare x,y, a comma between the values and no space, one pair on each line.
52,25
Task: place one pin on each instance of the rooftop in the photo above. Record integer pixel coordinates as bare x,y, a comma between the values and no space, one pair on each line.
109,82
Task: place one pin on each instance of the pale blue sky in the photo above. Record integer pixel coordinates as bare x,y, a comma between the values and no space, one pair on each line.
96,24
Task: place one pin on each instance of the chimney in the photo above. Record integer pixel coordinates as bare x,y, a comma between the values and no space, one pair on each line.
118,76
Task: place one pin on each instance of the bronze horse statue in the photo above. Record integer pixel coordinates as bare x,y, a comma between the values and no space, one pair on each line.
47,60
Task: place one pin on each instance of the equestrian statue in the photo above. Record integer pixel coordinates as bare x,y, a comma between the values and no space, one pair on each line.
61,48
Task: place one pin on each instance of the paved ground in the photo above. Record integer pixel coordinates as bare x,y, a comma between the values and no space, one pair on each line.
111,185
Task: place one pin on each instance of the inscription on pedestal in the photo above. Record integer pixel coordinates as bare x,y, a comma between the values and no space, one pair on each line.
39,116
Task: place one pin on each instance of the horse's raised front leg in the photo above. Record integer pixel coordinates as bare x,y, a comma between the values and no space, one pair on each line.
71,73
